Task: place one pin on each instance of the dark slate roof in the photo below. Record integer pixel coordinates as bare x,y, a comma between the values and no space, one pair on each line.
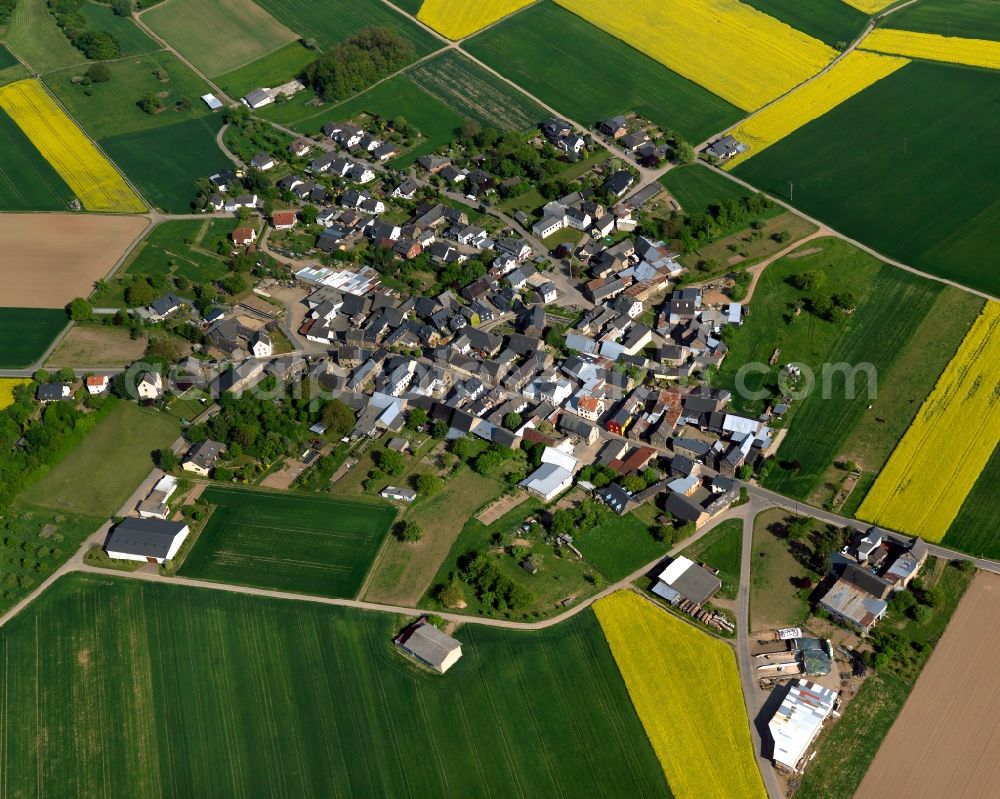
148,538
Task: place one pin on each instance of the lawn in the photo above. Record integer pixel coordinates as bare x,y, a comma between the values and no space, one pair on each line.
976,529
561,575
132,38
891,305
972,19
26,333
698,189
10,68
170,249
27,181
721,549
163,688
33,34
218,37
99,475
586,73
331,21
473,93
272,70
111,108
404,571
830,21
185,151
892,167
619,546
307,544
774,601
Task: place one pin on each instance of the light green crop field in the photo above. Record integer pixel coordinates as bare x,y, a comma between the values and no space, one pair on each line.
697,189
158,688
32,33
309,544
97,477
220,36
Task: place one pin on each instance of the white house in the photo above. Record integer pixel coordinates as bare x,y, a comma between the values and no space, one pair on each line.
260,345
146,540
548,291
554,475
97,384
155,506
400,494
150,386
201,458
547,226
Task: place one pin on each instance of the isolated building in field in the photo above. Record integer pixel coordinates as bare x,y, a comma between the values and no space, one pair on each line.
798,721
149,540
399,494
430,646
685,579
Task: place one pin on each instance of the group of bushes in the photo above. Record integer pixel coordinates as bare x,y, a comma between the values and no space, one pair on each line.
95,45
353,65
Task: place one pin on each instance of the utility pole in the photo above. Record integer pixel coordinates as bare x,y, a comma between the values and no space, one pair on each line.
791,192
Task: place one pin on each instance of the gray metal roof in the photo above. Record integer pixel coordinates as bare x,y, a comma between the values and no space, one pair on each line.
148,538
430,645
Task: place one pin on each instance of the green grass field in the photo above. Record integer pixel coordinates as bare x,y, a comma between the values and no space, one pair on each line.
112,110
973,19
99,475
697,189
620,546
272,70
830,21
7,59
184,152
221,36
27,181
892,167
26,333
133,39
32,33
10,68
721,549
307,544
891,304
331,21
976,529
473,93
166,250
587,74
161,688
773,598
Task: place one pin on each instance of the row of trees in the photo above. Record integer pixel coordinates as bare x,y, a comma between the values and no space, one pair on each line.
353,65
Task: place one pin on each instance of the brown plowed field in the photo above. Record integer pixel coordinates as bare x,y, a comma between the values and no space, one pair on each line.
945,742
46,260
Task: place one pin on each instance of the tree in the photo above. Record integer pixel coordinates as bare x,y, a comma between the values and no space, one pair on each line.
65,375
562,523
427,484
79,310
390,462
409,532
798,528
633,483
470,129
356,63
808,281
463,448
337,418
451,595
151,103
922,614
746,472
439,430
513,421
736,292
123,8
98,73
683,152
139,293
166,459
416,418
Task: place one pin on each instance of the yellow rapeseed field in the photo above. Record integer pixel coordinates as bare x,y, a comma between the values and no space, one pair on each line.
932,470
870,6
7,386
96,183
933,47
457,19
686,690
855,72
732,49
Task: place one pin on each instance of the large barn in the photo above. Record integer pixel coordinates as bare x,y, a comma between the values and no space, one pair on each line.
149,540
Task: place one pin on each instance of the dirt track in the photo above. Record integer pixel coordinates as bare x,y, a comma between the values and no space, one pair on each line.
49,259
945,742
